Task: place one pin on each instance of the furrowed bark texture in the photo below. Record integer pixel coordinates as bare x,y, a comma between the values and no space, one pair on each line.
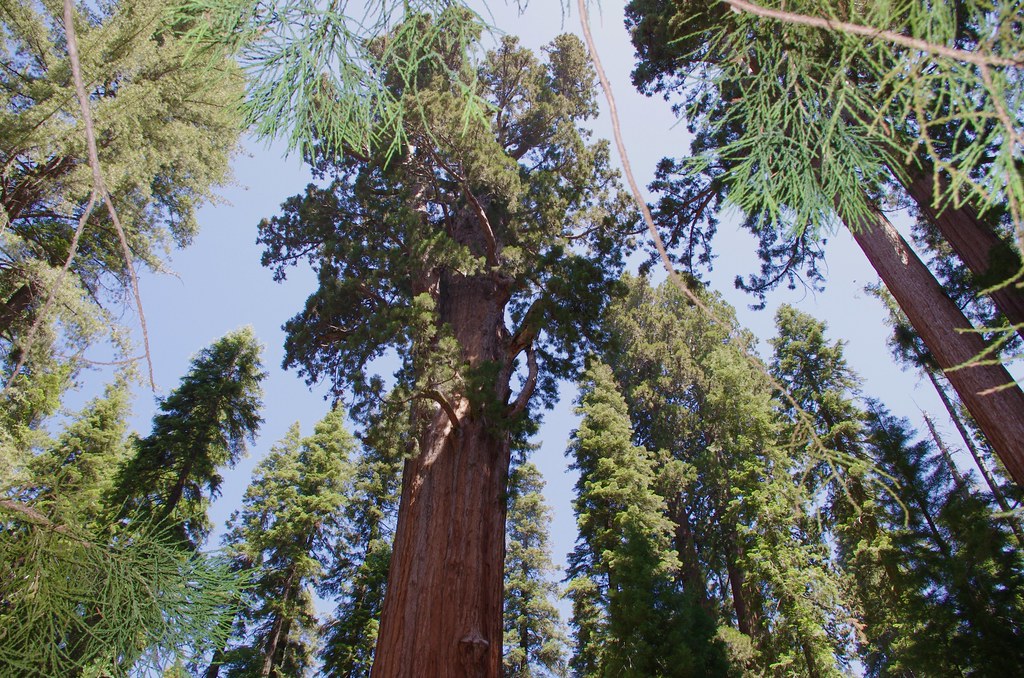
975,243
951,339
442,614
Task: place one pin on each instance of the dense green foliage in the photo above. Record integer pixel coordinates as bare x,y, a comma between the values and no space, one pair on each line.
202,427
99,572
534,643
283,534
736,517
166,132
357,577
390,240
629,618
808,561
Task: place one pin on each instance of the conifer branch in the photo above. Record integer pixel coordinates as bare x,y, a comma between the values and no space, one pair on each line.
872,32
438,397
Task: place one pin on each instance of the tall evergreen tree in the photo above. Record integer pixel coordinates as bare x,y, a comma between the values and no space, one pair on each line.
533,641
908,349
78,470
629,618
815,374
742,509
166,130
284,532
511,217
961,576
202,426
358,570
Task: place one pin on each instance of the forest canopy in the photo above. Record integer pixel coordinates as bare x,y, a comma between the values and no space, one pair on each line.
469,279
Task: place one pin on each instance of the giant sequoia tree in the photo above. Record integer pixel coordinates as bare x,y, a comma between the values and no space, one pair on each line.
482,252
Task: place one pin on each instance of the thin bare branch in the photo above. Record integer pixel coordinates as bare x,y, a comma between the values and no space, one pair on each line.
51,293
99,187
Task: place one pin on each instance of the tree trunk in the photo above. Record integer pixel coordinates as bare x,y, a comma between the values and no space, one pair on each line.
442,612
213,670
946,454
686,546
746,616
989,258
951,339
278,632
993,486
16,305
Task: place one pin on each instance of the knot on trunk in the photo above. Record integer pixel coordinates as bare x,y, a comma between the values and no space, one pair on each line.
474,646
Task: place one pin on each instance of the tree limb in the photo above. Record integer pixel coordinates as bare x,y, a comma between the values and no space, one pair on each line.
439,398
872,32
528,386
99,187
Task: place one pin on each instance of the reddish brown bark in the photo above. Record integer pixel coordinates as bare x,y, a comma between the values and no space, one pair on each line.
977,245
950,338
442,614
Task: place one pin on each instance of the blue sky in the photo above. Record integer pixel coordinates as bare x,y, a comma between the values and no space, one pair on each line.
219,284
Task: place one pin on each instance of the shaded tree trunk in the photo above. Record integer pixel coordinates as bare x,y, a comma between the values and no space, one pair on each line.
442,613
16,305
989,258
686,546
993,486
951,339
278,633
746,615
213,670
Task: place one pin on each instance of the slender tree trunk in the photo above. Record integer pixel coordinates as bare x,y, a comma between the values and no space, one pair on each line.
950,338
989,258
442,613
213,669
278,633
178,491
686,546
746,616
941,444
993,487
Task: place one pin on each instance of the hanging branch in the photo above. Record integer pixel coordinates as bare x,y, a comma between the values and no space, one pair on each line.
99,187
99,192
